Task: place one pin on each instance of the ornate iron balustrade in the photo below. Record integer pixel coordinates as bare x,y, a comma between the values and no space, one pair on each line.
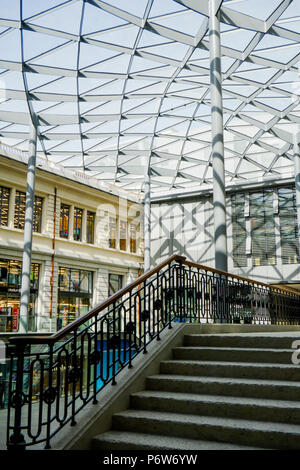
52,379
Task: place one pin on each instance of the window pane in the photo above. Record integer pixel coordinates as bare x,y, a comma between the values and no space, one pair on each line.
262,228
77,229
288,225
112,232
123,234
75,287
20,203
115,282
90,225
132,235
20,206
4,204
37,214
64,221
239,233
63,279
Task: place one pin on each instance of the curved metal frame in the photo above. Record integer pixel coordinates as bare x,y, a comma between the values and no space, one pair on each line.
163,121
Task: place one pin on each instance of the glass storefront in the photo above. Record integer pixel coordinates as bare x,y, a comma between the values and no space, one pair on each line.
10,287
75,287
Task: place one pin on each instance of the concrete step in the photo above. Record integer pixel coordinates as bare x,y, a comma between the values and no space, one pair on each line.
243,340
231,369
205,353
280,411
228,386
118,440
236,431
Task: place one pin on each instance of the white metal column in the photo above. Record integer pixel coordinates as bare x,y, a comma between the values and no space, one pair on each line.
220,237
28,226
147,224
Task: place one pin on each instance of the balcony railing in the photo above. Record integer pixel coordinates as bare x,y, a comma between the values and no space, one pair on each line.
52,379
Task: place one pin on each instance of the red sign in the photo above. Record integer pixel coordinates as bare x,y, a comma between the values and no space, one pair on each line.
15,315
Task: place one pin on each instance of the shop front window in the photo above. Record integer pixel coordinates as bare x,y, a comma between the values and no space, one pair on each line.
10,286
77,229
4,204
75,288
115,283
64,221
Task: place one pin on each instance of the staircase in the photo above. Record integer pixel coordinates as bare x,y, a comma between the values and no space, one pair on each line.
219,391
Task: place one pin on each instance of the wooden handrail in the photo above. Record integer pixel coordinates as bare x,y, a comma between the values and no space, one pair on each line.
115,297
80,321
240,278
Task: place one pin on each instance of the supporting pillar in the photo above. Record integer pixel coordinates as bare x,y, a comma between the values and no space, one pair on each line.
297,178
26,266
147,223
220,237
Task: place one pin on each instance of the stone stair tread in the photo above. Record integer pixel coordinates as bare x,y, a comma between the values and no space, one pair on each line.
229,404
228,348
271,334
218,399
270,365
152,441
226,380
198,420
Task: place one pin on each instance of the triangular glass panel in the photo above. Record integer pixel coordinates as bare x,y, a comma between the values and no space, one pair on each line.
65,57
255,8
10,46
160,8
124,36
10,9
66,18
96,19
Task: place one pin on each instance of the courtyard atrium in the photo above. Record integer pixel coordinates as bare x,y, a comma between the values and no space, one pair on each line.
120,89
149,191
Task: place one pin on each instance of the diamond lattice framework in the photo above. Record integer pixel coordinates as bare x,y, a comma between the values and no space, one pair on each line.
120,87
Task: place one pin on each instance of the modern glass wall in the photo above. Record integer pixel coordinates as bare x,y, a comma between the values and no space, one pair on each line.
288,225
262,213
239,232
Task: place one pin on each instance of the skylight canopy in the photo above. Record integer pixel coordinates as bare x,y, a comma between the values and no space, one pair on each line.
120,87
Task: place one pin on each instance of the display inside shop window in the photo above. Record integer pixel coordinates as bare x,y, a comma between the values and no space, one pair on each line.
10,285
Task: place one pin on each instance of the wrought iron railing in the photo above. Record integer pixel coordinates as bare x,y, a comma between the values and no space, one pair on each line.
52,379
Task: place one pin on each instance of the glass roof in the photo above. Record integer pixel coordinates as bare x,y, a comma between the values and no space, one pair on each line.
123,86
